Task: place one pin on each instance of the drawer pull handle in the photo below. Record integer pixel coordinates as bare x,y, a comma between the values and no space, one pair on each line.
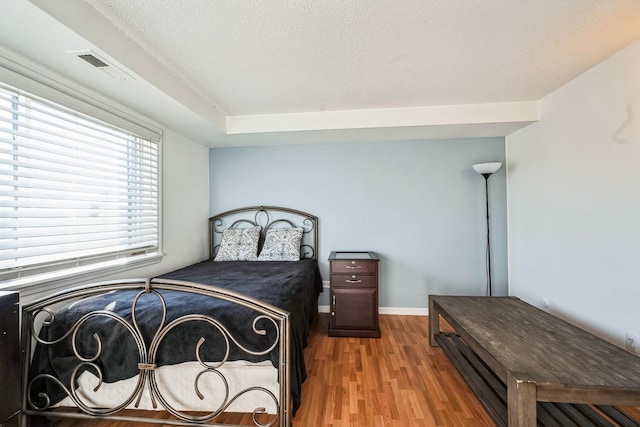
354,266
353,281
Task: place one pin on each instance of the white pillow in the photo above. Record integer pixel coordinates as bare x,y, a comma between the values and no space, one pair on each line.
239,244
281,244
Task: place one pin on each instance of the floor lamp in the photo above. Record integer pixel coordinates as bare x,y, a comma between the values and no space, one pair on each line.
486,170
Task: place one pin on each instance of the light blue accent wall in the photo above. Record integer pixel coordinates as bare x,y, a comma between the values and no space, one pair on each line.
418,204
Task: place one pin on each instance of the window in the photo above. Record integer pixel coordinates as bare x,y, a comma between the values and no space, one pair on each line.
74,190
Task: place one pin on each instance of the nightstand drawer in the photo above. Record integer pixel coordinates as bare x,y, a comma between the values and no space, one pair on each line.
354,266
355,280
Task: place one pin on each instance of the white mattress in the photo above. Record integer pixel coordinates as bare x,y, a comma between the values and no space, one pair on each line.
176,383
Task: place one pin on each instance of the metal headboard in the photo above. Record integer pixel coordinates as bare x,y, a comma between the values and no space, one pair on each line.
266,217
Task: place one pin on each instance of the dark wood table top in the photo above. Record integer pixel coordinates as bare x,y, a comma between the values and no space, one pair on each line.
540,346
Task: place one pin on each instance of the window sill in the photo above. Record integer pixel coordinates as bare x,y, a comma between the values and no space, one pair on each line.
47,282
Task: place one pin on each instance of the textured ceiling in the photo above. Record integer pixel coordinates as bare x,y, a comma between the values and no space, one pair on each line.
250,72
282,56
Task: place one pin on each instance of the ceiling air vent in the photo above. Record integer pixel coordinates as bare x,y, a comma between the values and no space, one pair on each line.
93,60
102,64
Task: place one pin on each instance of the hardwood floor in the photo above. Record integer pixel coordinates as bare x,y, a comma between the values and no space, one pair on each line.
395,380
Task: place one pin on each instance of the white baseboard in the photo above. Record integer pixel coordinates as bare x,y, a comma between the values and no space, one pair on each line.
401,311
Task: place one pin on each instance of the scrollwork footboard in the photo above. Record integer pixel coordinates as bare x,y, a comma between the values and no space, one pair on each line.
67,340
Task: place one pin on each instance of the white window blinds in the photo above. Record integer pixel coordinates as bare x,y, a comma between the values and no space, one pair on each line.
73,189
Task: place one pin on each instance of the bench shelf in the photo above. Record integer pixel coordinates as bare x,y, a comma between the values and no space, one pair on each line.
492,393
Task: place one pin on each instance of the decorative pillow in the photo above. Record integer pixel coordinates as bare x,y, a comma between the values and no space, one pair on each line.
239,244
281,244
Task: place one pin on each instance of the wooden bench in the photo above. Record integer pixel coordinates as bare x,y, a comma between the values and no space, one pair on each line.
514,356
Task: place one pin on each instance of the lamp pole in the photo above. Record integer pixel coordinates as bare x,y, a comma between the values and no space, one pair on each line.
486,198
486,170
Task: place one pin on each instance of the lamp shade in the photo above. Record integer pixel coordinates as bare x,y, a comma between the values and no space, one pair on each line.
483,168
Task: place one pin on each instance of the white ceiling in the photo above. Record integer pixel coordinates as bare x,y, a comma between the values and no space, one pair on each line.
286,71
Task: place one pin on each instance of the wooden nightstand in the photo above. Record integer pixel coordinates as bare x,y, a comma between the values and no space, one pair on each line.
9,359
354,295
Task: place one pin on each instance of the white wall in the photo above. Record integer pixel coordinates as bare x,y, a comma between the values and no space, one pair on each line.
418,204
574,200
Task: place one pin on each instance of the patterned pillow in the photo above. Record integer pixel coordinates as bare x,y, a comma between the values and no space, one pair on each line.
281,244
239,244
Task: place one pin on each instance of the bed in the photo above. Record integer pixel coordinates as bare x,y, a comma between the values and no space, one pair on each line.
223,335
